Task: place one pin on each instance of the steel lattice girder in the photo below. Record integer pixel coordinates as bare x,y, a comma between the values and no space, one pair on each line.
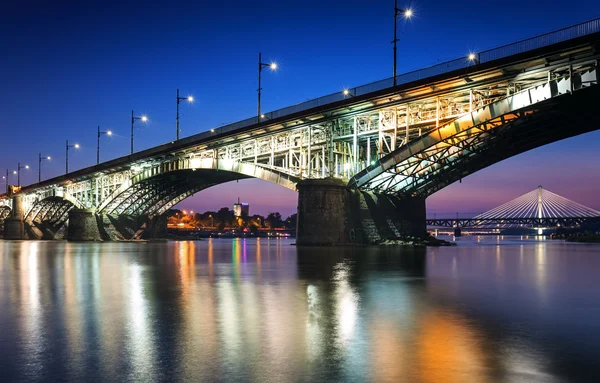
5,212
151,195
52,210
471,142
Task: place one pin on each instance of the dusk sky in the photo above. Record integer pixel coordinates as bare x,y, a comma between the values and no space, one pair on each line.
67,68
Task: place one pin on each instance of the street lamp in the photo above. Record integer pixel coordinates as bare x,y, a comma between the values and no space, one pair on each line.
473,58
19,167
189,99
407,14
108,133
40,158
347,93
134,119
261,65
76,146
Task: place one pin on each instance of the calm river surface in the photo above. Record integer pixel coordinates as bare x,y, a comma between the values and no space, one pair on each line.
490,309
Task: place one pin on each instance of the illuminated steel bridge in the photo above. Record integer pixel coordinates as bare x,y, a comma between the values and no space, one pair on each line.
363,161
537,209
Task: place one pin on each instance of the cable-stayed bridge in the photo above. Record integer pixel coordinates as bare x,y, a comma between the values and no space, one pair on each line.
538,209
363,161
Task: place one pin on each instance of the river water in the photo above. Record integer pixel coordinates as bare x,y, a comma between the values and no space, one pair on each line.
490,309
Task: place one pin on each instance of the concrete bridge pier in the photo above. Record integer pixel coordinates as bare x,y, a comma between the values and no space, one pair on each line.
321,212
13,225
83,226
331,214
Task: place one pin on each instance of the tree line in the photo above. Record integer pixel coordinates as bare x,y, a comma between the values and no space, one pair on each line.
225,218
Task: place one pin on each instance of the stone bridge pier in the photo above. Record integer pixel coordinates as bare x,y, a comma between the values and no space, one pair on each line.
330,213
13,225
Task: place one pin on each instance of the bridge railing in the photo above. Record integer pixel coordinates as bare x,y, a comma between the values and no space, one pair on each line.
522,46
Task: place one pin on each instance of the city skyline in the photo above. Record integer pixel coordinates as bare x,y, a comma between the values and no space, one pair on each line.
47,87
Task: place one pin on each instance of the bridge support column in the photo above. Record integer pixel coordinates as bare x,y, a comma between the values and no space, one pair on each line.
156,227
321,212
457,232
331,214
13,225
83,226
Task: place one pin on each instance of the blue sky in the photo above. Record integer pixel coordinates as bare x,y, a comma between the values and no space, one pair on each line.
67,68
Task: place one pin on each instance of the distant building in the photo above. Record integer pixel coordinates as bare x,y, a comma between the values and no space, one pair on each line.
241,209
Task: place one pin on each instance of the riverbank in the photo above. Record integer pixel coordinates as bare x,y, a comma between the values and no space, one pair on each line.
584,238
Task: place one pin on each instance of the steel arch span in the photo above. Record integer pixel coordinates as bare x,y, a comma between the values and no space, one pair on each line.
128,214
537,116
48,218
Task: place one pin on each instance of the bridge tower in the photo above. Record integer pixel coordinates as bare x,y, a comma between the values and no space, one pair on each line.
540,230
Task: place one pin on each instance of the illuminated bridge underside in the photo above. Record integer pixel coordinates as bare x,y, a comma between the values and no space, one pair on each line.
4,211
537,116
47,219
157,194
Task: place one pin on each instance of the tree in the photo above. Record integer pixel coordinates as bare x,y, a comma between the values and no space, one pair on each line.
273,220
290,222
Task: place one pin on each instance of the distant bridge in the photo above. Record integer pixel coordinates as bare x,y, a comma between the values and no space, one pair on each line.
391,146
537,209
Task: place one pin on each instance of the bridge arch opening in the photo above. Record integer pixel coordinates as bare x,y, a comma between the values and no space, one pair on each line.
129,214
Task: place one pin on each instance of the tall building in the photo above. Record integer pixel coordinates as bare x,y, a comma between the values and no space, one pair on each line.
241,209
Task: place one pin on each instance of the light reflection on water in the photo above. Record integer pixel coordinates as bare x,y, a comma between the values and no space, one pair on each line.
489,309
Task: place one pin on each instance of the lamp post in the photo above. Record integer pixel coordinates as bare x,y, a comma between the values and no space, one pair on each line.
261,65
134,119
407,14
108,133
6,177
40,158
19,167
76,146
189,99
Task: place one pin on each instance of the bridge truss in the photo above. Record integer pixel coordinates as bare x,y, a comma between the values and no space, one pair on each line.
438,126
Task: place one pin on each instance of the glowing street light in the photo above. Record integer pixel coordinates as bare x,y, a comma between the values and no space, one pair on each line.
142,118
261,65
347,93
473,58
18,172
40,158
108,133
189,99
76,146
407,14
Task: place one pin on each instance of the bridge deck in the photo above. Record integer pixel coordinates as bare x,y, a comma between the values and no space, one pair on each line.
433,80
